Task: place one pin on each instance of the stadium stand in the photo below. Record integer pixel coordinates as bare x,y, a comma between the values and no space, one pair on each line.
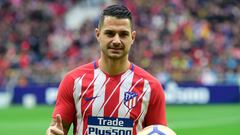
178,40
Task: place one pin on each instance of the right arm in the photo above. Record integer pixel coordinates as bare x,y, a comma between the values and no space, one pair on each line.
64,111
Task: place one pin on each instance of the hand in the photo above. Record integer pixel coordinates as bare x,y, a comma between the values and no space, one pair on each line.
56,127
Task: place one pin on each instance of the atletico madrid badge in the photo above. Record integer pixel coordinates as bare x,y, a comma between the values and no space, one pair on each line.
130,99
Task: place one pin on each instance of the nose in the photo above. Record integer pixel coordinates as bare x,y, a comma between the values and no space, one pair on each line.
116,39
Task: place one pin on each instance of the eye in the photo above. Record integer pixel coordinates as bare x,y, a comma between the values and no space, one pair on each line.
124,34
109,33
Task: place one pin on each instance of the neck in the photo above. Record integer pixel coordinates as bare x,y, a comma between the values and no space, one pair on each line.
113,66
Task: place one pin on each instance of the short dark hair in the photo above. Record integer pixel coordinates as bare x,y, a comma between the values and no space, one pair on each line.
118,11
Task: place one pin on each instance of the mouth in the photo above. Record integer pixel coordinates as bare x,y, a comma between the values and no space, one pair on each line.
114,46
115,50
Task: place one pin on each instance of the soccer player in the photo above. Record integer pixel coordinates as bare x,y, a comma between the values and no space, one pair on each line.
110,95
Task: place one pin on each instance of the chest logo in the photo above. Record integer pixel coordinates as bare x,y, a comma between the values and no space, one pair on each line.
130,99
109,126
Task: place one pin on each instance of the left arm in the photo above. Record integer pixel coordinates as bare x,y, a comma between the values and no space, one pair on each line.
156,113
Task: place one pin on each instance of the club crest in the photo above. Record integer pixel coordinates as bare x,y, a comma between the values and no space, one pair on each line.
130,99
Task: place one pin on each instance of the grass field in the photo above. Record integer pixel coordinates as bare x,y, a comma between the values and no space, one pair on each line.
183,119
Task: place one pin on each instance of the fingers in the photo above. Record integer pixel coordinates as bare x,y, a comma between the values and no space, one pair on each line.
57,127
56,131
59,122
53,130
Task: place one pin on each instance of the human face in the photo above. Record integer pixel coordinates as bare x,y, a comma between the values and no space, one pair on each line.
115,37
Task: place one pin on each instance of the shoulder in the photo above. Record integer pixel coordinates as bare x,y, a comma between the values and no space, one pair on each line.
81,70
153,82
144,74
70,77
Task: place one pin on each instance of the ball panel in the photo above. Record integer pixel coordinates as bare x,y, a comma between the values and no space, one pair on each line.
157,130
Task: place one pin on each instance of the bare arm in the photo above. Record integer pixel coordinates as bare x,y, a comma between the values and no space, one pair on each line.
58,126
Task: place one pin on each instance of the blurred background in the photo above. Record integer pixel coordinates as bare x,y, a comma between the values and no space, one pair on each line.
191,46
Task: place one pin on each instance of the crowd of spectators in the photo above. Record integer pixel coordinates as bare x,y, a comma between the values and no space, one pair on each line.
184,41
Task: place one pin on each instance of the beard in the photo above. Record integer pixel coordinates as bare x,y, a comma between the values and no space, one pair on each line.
114,53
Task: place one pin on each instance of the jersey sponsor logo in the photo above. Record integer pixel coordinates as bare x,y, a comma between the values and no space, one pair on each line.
109,126
130,99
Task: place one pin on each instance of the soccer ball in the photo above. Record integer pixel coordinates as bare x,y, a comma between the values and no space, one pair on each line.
157,130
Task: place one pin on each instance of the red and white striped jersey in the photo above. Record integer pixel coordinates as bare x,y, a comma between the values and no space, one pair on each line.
97,103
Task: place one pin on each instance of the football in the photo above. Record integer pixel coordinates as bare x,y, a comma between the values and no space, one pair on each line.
157,130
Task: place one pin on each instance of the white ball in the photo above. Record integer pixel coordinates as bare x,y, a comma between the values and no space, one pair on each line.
157,130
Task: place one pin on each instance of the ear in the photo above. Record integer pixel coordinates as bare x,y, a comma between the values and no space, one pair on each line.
97,31
133,36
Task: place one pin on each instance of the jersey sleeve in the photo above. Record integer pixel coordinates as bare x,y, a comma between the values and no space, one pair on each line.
65,102
156,113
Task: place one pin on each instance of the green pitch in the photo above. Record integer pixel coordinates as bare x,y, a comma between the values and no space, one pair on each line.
183,119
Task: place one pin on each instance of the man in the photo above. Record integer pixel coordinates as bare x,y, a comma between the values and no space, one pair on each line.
110,95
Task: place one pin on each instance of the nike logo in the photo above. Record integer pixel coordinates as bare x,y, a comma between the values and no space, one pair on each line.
90,98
